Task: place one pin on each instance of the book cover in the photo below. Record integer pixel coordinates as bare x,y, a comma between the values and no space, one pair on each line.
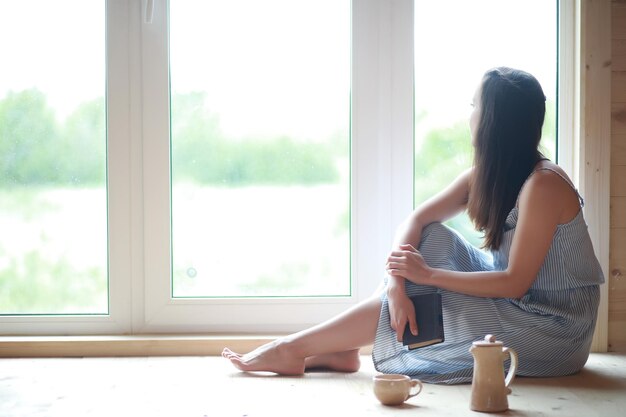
429,316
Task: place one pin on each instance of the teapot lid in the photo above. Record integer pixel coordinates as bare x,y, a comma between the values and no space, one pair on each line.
489,340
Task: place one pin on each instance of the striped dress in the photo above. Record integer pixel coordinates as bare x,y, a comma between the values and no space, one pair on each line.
550,327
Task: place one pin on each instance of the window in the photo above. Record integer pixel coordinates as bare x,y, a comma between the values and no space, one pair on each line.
260,148
470,41
53,246
190,105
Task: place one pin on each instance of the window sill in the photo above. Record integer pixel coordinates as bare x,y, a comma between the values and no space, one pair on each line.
139,345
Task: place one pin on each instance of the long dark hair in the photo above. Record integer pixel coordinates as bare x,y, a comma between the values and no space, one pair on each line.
511,113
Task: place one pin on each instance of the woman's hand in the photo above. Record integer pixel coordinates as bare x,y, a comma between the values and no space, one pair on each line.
401,310
408,263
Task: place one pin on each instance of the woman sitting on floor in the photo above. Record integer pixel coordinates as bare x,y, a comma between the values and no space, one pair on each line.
535,287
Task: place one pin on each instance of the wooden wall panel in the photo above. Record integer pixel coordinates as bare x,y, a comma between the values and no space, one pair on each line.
618,118
617,291
618,150
618,181
618,17
617,246
618,208
618,86
595,141
618,255
618,47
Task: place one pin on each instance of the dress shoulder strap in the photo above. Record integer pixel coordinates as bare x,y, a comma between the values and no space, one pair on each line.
564,178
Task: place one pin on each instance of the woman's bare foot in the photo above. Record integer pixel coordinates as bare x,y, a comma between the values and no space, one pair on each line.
348,361
271,357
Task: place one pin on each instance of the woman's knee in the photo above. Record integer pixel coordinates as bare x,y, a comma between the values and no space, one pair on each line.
437,231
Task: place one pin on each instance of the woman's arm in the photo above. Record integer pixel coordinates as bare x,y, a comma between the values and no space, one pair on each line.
544,202
439,208
443,206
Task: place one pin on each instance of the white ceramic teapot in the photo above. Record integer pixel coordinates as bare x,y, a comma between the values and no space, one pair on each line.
489,386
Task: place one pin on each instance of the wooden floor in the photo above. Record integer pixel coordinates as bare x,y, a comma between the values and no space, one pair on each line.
208,386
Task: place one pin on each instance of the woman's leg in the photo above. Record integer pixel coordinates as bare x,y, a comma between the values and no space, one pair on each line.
348,361
333,344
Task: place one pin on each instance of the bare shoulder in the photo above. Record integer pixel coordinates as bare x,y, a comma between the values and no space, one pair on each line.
549,167
552,189
549,178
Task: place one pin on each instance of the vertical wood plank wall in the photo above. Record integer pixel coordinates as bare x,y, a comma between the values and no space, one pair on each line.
594,140
617,248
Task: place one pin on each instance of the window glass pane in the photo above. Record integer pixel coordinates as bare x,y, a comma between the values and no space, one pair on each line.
53,245
455,43
260,109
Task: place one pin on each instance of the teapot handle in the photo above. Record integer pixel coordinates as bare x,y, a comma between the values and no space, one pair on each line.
512,368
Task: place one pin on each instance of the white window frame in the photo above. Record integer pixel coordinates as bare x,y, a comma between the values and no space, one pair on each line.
119,44
382,80
382,172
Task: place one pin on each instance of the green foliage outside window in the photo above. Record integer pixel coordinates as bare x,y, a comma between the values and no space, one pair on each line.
37,150
38,153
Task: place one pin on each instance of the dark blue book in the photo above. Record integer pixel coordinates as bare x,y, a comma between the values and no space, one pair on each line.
429,317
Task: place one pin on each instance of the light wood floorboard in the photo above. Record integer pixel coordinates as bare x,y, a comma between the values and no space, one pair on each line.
209,386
